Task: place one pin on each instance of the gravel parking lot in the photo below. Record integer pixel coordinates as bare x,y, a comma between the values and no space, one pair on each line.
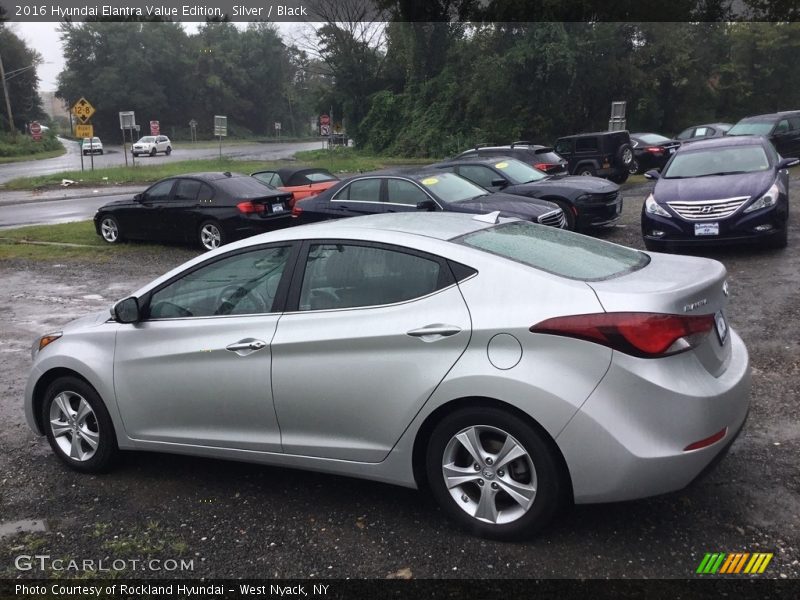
241,520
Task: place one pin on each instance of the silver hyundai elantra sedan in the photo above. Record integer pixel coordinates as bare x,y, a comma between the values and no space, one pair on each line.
507,367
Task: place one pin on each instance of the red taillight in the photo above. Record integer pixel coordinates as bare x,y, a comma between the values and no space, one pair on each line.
655,149
249,207
647,335
544,166
707,441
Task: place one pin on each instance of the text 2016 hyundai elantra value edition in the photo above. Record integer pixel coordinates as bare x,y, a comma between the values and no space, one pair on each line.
506,366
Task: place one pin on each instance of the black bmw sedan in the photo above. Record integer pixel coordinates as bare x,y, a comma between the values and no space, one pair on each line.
419,190
722,190
208,208
651,151
586,201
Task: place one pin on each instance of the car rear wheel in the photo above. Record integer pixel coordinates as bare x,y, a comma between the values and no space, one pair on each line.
211,235
493,473
585,171
109,229
168,151
78,426
625,156
634,168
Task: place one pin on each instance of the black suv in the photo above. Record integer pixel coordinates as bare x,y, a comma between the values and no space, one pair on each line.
782,129
607,154
539,157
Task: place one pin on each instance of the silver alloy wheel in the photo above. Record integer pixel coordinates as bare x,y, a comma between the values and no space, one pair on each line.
489,474
627,156
210,236
109,230
74,426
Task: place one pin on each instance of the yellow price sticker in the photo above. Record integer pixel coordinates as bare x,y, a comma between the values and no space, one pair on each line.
430,181
502,165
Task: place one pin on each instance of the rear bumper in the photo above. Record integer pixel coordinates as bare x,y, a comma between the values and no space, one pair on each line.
627,441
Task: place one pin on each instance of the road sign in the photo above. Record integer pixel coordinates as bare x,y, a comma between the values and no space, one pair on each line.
278,125
155,128
220,125
36,130
324,129
127,119
192,123
84,131
324,120
83,110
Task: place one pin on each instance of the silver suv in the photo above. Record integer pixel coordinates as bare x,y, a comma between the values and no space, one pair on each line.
152,145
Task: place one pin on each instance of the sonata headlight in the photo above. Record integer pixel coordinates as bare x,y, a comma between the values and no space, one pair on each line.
654,208
767,200
43,341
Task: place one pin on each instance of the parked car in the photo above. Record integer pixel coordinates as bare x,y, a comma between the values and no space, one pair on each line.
731,190
701,132
91,146
535,155
651,151
152,145
209,208
426,190
782,129
509,368
607,154
585,201
302,182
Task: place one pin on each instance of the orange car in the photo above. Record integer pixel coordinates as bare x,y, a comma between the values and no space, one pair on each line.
302,182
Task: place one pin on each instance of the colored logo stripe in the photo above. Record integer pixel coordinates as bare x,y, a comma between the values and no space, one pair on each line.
722,563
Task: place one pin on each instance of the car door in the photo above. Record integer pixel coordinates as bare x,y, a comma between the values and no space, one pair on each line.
360,197
196,370
143,219
369,333
177,211
403,195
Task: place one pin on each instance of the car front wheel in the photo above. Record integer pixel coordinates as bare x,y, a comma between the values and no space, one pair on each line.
211,235
153,152
78,426
493,473
109,229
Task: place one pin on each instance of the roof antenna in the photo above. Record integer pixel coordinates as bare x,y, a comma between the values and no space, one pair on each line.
492,217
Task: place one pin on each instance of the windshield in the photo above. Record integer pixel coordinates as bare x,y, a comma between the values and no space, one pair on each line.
751,128
451,188
518,172
652,138
556,251
717,161
147,140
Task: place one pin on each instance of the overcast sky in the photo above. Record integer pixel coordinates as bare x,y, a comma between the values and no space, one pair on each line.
43,37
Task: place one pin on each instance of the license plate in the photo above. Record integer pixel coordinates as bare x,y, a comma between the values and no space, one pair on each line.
721,326
706,228
671,151
278,207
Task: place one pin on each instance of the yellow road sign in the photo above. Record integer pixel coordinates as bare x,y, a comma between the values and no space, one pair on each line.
84,131
83,110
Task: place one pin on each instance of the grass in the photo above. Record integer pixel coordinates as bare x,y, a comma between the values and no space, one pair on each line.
38,156
341,160
13,243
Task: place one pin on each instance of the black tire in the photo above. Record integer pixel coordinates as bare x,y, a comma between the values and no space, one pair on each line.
492,426
585,170
781,240
633,169
625,156
620,178
135,154
101,152
566,207
85,153
110,230
211,235
153,152
72,391
168,151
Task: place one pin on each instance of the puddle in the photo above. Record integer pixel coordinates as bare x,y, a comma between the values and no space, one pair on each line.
24,526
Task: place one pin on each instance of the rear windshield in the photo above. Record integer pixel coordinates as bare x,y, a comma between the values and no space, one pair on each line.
556,251
653,138
547,155
244,187
518,171
752,128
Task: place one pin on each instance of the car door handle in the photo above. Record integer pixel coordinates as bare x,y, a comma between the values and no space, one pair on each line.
246,346
430,333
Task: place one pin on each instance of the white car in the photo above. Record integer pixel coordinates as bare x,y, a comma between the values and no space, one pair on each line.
91,145
152,144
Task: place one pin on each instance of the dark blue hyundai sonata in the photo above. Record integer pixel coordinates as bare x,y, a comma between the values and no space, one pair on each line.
724,190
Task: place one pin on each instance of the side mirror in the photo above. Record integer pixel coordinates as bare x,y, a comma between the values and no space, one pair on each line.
785,163
652,174
499,183
138,198
126,311
428,205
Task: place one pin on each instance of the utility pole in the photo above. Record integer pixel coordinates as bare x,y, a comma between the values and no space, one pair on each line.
8,100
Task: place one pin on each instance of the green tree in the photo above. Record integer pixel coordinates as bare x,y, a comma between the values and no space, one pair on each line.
19,64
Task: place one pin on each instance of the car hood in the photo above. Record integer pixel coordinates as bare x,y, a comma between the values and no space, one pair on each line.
569,187
87,321
714,187
117,203
507,204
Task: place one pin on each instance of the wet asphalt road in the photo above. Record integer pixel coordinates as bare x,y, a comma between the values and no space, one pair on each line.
241,520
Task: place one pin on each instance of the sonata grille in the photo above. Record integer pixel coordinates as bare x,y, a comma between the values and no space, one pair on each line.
554,218
708,209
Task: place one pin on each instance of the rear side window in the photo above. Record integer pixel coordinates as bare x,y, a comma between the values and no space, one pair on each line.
186,189
586,145
556,251
564,147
